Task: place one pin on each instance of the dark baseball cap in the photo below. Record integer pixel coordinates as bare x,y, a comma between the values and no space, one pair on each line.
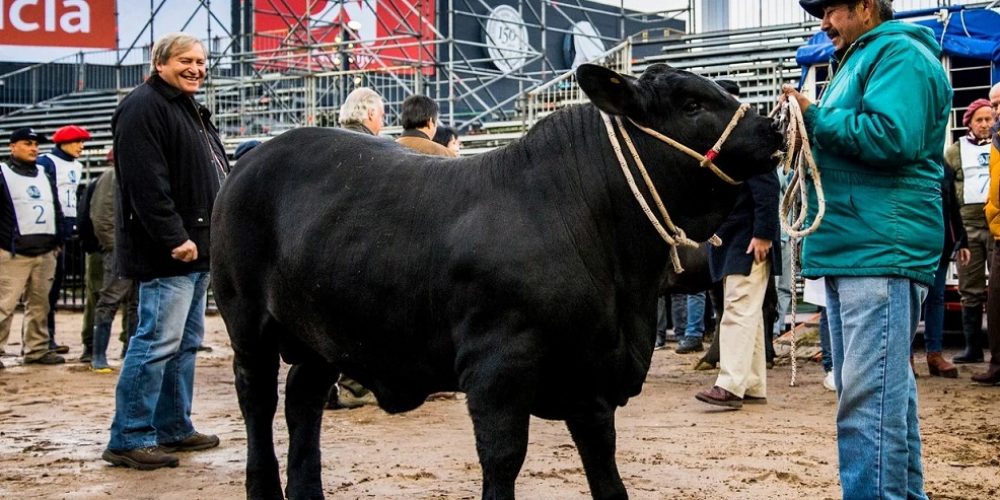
815,7
26,134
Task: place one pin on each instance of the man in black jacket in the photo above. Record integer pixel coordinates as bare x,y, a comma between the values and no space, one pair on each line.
745,262
170,164
30,217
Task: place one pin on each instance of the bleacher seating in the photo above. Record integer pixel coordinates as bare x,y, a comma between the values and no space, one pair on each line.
91,109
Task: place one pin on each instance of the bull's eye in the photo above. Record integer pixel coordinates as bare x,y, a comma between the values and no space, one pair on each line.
691,107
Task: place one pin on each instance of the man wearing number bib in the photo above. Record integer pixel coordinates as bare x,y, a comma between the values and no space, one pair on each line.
969,157
64,170
30,217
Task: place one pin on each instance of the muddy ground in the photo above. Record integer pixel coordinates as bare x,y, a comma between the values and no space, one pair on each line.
54,420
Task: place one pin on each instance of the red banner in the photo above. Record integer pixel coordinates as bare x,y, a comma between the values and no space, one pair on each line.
58,23
385,34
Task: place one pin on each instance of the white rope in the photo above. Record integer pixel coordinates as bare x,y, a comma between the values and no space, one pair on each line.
674,240
706,160
799,159
673,235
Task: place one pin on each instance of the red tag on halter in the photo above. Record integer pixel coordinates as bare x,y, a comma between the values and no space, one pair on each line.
711,155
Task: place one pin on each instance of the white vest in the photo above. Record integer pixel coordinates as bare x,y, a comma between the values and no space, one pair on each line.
976,170
34,206
67,180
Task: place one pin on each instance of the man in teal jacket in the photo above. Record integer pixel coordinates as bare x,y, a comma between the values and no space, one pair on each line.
878,138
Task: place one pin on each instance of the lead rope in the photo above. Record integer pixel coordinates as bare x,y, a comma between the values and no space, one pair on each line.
799,159
708,159
678,237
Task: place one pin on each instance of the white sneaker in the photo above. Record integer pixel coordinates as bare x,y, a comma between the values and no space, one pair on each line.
828,382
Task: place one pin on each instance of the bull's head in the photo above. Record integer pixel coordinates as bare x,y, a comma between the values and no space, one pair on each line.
689,108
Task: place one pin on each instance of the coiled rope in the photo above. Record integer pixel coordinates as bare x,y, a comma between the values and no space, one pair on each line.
798,159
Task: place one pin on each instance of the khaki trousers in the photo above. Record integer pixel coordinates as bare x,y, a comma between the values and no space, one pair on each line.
972,276
742,370
31,277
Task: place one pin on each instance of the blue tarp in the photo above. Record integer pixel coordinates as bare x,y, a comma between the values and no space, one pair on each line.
973,33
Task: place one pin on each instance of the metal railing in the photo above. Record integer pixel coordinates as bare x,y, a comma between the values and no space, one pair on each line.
741,14
564,89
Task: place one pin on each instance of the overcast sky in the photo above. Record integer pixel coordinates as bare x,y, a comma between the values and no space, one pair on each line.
133,15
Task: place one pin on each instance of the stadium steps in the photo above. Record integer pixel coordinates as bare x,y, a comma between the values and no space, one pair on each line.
89,109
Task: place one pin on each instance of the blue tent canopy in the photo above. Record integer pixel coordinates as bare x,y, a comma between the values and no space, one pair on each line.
973,33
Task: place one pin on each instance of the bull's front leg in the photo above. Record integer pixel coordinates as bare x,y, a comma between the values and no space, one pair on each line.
499,383
594,435
306,392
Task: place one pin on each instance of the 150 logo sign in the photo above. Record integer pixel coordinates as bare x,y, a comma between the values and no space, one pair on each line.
58,23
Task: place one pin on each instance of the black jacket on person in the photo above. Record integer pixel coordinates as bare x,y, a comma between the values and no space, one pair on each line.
10,239
170,164
755,215
955,236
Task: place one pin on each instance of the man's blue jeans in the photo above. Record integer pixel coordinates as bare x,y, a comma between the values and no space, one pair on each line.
155,387
934,311
872,322
695,316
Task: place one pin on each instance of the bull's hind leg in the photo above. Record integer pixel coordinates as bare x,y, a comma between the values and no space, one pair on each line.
305,396
255,364
594,436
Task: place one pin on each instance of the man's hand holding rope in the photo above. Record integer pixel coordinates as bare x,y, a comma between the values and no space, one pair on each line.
788,91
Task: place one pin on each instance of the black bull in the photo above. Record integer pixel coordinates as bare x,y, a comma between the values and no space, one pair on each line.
525,277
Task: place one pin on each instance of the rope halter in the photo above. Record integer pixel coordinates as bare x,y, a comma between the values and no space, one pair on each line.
672,235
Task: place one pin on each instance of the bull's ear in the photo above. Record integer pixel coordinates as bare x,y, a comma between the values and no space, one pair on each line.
610,92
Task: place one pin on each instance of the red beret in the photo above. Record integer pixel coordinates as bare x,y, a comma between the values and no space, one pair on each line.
975,106
70,133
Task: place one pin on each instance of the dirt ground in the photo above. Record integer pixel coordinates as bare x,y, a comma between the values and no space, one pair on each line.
55,421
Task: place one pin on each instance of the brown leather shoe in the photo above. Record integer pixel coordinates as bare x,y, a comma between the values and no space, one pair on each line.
991,377
194,442
720,397
940,367
754,400
148,458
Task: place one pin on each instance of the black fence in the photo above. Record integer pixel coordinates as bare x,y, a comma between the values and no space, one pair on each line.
73,296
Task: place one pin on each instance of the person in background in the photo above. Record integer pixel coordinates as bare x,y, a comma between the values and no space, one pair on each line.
30,239
992,374
62,166
694,329
448,137
93,267
114,290
968,160
420,122
956,244
363,111
877,136
245,148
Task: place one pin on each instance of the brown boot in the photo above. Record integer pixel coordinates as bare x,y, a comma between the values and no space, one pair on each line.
991,377
940,367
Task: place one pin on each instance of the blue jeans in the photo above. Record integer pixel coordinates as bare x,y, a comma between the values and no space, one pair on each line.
824,341
934,311
872,322
155,387
695,316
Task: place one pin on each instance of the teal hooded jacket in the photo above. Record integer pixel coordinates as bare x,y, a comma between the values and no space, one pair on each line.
878,136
